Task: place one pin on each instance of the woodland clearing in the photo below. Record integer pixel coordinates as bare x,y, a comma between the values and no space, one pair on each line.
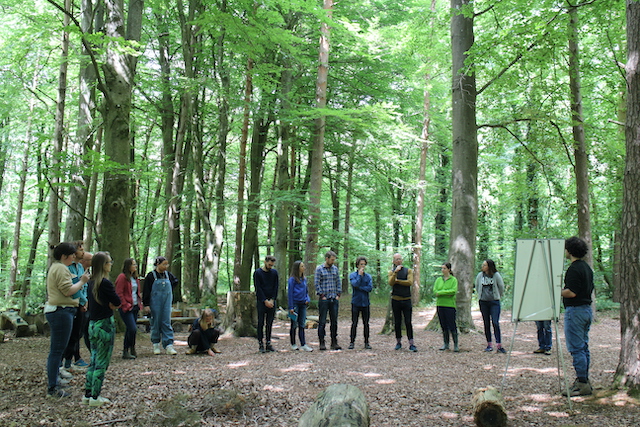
241,387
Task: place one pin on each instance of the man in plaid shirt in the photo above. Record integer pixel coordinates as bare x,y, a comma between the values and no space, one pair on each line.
328,289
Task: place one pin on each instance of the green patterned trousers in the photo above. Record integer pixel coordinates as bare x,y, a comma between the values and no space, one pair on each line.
102,335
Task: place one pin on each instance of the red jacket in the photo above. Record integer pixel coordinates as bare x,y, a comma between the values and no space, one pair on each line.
123,289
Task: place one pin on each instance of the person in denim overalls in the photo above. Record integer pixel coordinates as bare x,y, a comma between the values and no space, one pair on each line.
157,298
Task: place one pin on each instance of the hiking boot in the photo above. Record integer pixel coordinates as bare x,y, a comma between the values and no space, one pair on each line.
323,346
579,389
261,348
335,346
351,345
539,351
367,346
214,349
170,350
488,349
133,352
270,348
548,352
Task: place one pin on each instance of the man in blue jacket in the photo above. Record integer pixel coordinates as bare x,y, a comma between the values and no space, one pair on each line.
362,284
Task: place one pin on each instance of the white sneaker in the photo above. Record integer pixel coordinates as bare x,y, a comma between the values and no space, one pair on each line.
171,350
156,348
85,400
65,374
306,348
99,401
294,347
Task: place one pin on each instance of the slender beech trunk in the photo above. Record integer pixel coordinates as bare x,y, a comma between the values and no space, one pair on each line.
628,370
464,210
346,255
317,152
58,136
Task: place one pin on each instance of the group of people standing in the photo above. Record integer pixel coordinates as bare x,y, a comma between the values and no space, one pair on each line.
81,301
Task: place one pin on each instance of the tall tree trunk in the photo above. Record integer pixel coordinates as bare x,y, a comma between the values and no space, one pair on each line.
580,145
317,152
78,192
90,226
119,72
628,370
242,173
346,248
38,229
442,210
58,137
422,175
464,210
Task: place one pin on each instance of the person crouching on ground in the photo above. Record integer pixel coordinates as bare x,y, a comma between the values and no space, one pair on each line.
204,334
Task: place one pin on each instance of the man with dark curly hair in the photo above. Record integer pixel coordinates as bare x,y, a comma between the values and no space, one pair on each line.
576,295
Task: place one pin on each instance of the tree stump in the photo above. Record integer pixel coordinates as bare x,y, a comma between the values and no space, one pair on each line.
12,320
488,408
340,405
1,336
241,311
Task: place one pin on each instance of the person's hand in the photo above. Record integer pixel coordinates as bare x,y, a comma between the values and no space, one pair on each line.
306,303
361,271
83,308
85,277
268,303
337,297
292,311
398,268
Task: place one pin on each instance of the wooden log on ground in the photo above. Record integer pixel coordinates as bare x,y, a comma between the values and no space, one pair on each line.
12,320
340,405
488,408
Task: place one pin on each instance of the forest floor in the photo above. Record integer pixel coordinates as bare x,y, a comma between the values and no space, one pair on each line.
241,387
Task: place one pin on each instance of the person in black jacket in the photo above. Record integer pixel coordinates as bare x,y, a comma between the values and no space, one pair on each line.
204,334
265,280
103,300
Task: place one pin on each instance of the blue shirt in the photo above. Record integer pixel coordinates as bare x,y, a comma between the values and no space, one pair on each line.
297,292
77,270
327,281
361,285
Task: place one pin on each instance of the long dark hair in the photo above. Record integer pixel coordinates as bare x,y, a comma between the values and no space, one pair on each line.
126,269
492,267
99,260
295,271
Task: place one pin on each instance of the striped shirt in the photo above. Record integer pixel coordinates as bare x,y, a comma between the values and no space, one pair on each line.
327,281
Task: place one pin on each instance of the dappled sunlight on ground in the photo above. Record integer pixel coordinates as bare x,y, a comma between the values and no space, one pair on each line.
238,364
616,398
273,388
386,382
301,367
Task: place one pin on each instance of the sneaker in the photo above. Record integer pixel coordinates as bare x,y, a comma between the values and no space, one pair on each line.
270,348
170,350
548,352
65,374
398,346
63,382
85,400
335,346
501,350
489,348
294,347
539,351
306,348
261,349
99,401
57,393
351,346
413,348
367,346
156,348
81,364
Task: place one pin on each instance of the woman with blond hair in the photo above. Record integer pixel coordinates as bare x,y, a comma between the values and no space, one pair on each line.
204,335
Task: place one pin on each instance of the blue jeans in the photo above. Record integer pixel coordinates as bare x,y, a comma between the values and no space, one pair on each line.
577,321
300,324
161,299
129,318
330,306
491,316
60,325
544,334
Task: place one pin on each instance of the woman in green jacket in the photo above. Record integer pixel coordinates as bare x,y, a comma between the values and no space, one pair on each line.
445,290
